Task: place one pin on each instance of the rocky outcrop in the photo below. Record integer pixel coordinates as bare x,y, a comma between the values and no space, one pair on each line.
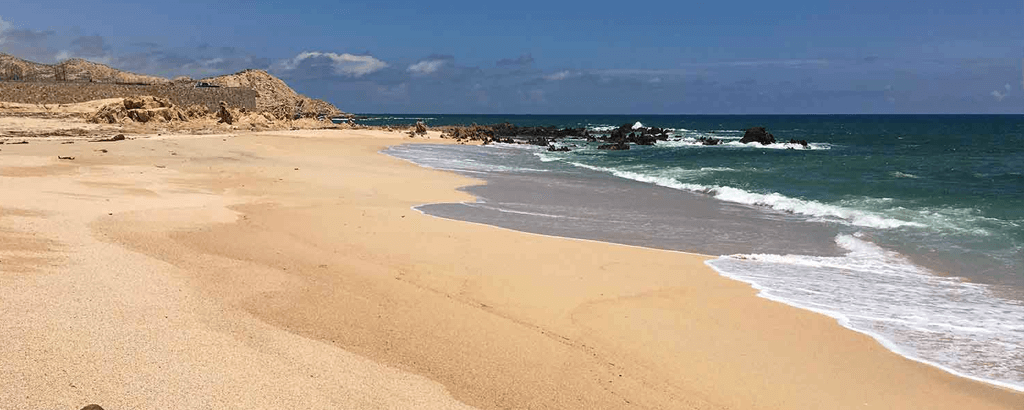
225,115
73,70
510,134
619,146
758,135
637,134
275,96
139,109
421,128
709,141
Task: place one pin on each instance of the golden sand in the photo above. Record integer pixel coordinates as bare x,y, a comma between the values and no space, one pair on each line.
288,269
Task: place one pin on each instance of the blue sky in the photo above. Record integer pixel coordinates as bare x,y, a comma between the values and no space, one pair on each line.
732,57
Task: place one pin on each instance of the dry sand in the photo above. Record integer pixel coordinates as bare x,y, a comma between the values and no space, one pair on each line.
287,269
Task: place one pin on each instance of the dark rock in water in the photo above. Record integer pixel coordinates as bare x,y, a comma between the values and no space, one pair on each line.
640,136
506,132
801,142
644,139
759,135
709,141
541,141
552,148
591,138
619,146
92,407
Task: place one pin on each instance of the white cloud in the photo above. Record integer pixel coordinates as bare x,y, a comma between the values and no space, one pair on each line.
4,26
343,64
998,95
559,76
426,66
205,67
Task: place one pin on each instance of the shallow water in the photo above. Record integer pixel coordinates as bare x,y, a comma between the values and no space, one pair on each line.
917,240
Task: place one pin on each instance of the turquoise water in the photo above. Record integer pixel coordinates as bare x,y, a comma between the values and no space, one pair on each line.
928,212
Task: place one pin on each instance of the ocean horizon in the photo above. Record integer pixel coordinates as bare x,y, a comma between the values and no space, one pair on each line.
908,228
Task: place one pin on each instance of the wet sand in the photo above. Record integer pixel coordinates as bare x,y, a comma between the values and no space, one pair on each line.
289,269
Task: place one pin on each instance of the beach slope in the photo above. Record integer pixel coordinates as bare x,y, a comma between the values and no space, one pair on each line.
289,269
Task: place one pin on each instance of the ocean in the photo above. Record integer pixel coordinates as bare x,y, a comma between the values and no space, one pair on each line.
907,228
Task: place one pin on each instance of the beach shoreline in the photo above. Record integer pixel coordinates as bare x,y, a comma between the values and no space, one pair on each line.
309,241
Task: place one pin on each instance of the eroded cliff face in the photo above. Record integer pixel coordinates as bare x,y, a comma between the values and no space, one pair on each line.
76,80
274,96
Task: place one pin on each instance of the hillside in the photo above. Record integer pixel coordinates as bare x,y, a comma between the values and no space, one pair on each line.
76,70
273,94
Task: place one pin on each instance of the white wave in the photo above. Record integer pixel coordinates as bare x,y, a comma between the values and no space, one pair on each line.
779,145
692,141
898,174
638,125
545,157
510,211
718,169
771,200
961,327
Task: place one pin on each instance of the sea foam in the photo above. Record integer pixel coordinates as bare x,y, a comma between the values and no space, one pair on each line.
772,200
961,327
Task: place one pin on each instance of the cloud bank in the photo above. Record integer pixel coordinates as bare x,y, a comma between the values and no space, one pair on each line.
342,64
523,83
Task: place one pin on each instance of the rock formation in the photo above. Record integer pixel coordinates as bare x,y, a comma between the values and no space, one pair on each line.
759,135
274,96
224,114
76,70
138,109
618,146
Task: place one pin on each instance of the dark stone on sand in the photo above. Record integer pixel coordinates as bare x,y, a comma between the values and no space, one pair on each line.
118,137
92,407
758,135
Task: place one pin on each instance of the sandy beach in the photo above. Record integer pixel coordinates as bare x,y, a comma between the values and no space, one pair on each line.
288,269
